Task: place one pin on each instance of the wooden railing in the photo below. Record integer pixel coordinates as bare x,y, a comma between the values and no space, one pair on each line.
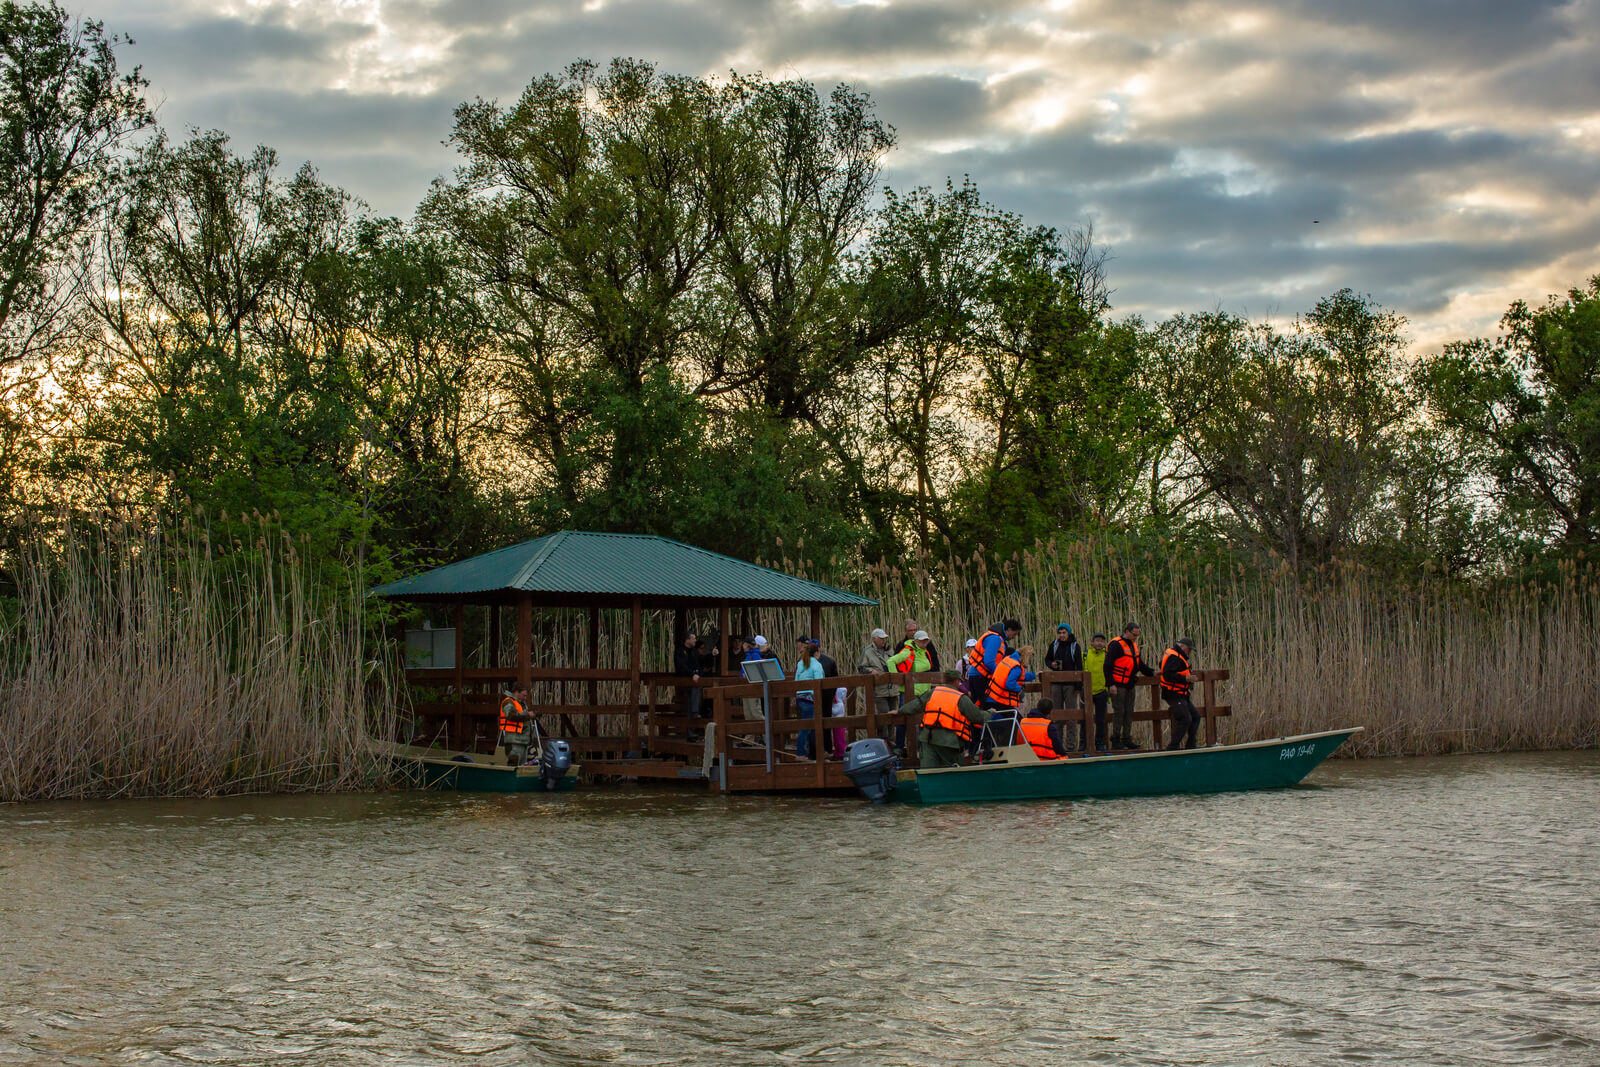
656,738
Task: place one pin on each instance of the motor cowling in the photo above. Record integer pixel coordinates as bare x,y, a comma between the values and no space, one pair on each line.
871,765
555,759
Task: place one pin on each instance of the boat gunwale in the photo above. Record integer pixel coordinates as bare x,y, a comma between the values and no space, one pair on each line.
1080,758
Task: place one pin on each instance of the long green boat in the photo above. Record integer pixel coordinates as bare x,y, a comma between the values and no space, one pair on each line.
472,772
1016,773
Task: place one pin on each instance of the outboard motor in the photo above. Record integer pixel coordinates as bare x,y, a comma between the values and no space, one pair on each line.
871,764
555,757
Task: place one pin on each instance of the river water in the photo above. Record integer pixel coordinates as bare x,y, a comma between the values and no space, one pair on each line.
1402,911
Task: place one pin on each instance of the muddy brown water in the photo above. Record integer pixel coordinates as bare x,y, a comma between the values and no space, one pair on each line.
1394,912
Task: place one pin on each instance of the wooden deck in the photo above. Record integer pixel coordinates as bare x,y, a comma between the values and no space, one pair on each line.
722,750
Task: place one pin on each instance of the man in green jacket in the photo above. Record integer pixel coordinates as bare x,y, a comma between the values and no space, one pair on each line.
1094,661
915,658
948,720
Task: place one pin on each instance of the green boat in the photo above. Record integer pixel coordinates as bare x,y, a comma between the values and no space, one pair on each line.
1016,773
473,772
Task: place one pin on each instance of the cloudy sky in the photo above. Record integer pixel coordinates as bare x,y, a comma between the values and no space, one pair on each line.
1449,150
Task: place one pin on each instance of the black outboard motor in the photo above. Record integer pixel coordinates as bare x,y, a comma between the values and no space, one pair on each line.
870,764
555,757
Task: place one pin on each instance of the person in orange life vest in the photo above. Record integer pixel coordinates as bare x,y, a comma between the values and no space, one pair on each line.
1123,664
1039,731
516,729
947,719
1011,673
992,647
1175,682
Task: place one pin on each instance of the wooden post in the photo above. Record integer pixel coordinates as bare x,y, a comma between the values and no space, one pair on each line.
816,621
524,640
461,693
1155,709
494,637
594,664
722,637
680,627
634,653
818,749
1209,691
720,715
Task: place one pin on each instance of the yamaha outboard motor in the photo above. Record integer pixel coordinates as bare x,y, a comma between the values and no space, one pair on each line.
555,757
870,764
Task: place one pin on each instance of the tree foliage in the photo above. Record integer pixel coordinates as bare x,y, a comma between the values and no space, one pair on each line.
677,305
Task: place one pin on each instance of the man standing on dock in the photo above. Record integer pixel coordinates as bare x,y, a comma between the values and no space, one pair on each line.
992,647
1175,684
949,719
1123,664
874,659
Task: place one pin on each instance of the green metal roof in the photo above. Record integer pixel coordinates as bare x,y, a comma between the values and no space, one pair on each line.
573,568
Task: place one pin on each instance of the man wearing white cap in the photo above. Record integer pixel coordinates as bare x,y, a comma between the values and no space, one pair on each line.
874,659
759,649
966,668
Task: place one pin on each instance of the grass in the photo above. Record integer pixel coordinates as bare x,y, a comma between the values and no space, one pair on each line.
142,662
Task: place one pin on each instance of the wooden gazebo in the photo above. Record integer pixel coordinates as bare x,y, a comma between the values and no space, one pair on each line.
593,572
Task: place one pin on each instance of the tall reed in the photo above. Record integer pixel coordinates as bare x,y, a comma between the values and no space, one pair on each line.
1425,665
141,661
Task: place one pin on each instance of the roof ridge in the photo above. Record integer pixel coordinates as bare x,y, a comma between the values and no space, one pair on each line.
538,559
720,555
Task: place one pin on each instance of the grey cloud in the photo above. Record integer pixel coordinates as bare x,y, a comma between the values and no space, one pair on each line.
1368,115
210,48
932,106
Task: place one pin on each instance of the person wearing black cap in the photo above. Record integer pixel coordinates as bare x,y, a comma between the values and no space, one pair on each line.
1123,664
1175,683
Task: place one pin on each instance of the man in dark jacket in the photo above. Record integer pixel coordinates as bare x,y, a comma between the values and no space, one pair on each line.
1064,654
686,664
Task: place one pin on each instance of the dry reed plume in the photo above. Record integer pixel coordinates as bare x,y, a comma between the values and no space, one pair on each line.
141,664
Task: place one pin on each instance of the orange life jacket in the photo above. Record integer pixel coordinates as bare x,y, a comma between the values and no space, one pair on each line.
1037,733
943,712
997,684
910,661
1172,687
975,653
514,727
1120,674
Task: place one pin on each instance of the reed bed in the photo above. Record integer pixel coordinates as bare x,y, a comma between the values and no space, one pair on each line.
1426,665
140,661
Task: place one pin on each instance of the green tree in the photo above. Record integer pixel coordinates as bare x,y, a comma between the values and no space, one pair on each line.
1290,437
1527,404
587,215
65,112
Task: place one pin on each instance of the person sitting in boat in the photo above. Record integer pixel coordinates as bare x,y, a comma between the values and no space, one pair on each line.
1043,734
948,720
516,726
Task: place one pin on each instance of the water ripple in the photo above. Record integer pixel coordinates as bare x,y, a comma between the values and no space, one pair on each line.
1416,912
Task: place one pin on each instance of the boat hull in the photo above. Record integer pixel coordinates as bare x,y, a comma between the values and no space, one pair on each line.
469,772
1272,764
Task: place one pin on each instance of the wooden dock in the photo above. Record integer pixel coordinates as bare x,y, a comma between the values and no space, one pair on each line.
723,749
